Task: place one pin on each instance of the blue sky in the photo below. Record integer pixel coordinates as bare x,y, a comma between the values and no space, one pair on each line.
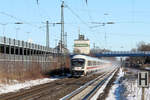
131,18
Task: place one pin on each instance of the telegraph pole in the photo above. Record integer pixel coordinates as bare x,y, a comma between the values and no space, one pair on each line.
65,39
62,24
65,48
62,34
47,40
47,34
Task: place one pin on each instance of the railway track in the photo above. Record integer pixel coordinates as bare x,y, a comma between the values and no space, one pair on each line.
88,91
50,91
29,93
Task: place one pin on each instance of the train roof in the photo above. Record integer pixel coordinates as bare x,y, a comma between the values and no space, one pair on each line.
88,58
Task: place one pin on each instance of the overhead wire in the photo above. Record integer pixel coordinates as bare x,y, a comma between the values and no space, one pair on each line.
6,14
89,13
75,14
18,19
86,1
128,35
133,10
80,19
41,10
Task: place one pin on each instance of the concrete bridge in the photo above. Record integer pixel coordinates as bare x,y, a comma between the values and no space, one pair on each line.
18,47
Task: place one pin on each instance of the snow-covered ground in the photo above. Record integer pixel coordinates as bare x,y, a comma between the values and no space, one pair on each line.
16,86
114,92
127,89
134,92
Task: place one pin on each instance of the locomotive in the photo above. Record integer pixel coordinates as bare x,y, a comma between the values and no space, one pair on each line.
84,65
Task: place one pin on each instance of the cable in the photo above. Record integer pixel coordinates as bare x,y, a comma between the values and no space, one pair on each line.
41,10
37,1
89,14
11,16
77,16
133,10
86,2
128,35
3,13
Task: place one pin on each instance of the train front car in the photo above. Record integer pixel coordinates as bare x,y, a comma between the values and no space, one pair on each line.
83,65
78,65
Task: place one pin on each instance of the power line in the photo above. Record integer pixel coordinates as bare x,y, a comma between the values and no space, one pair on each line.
41,11
133,10
13,17
6,14
89,13
37,1
86,1
73,12
128,35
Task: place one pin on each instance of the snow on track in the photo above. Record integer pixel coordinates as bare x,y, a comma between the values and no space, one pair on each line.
95,97
16,86
112,92
132,91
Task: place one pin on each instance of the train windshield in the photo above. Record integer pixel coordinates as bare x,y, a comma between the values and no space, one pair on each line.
77,62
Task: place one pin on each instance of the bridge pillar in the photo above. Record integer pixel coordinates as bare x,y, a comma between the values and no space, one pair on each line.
23,51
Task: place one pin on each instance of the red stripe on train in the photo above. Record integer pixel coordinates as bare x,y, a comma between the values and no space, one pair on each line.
93,67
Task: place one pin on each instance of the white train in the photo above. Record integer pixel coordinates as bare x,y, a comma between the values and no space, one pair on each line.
83,65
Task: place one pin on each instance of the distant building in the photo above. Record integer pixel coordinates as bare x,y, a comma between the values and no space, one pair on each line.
82,45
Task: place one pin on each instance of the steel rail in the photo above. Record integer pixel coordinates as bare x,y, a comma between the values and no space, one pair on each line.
98,86
101,80
27,92
38,91
81,88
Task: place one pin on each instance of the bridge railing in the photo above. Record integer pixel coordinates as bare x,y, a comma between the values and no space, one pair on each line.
127,52
23,44
124,53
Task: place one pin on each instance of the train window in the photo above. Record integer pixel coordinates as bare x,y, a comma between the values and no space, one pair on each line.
77,62
89,63
97,63
94,63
